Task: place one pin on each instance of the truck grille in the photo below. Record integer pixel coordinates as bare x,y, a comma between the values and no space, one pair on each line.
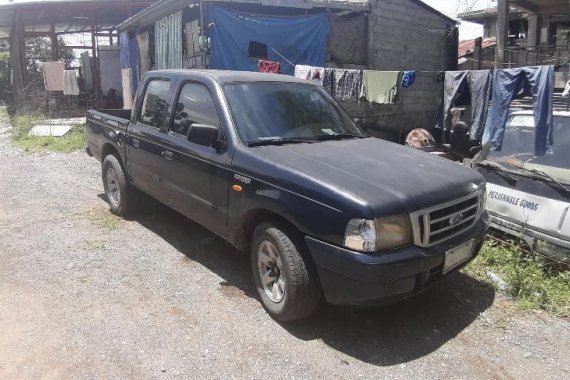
439,223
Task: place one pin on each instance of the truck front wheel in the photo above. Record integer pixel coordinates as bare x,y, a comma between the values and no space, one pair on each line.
284,275
123,198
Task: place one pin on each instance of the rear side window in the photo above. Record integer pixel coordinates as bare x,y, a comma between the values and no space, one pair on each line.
194,106
154,103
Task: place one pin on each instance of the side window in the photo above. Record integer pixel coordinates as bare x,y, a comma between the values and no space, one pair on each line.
194,106
154,103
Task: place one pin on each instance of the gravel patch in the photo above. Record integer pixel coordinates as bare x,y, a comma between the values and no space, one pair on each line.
84,294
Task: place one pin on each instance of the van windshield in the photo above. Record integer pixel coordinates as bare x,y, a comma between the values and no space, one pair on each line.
275,112
518,147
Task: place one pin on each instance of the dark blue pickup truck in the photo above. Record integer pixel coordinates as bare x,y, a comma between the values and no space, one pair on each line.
275,166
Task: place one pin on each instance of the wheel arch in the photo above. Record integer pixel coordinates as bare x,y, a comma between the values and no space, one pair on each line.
252,218
108,149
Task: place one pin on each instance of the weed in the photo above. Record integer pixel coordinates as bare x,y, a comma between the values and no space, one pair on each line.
532,283
104,219
94,245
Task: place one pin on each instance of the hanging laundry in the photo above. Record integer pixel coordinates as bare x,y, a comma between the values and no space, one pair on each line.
310,73
53,75
70,86
347,84
537,82
408,78
317,75
478,83
87,73
343,84
269,67
303,71
328,81
380,86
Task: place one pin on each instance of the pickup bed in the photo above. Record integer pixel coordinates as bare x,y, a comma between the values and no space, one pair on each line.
274,165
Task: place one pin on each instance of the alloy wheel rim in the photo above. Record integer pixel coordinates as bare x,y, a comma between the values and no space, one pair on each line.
270,267
113,190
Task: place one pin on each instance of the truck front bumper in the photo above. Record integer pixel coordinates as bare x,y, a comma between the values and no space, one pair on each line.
358,279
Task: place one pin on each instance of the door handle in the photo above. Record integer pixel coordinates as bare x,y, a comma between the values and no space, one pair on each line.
136,143
168,155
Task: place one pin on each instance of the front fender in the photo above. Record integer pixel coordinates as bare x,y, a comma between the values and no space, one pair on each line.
309,216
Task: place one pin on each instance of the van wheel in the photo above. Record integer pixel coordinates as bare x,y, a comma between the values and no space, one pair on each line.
123,198
284,275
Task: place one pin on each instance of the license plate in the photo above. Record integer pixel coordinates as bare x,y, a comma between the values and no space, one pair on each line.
458,255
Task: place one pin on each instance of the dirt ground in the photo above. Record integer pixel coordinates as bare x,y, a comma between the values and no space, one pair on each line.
84,294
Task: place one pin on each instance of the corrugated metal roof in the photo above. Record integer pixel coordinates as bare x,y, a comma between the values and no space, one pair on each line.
67,15
164,7
468,47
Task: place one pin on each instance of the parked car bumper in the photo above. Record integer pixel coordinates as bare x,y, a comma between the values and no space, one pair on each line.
547,245
357,279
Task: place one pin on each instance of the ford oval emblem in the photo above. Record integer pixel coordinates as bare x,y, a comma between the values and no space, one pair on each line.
456,219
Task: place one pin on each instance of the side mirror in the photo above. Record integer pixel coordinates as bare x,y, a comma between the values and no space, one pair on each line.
202,134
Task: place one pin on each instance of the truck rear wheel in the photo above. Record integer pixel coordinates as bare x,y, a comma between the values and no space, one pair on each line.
284,275
123,198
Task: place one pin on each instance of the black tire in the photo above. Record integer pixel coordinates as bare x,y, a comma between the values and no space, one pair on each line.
301,295
123,199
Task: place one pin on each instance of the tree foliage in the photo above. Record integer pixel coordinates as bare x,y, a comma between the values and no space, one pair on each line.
38,50
4,70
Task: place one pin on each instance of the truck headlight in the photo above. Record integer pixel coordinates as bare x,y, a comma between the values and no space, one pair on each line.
393,232
360,235
378,235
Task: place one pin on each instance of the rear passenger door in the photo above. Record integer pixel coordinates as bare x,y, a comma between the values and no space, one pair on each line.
145,139
199,174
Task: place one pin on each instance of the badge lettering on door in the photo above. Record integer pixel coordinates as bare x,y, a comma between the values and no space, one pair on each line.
242,179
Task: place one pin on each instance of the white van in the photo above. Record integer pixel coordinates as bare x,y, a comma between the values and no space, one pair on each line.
528,196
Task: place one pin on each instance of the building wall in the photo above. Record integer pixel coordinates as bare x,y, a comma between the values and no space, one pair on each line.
403,35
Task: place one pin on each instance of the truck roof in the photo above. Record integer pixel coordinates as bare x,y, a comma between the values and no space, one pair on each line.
226,76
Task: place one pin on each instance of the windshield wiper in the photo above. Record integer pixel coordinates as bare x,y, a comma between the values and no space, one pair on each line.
551,179
500,169
339,136
280,141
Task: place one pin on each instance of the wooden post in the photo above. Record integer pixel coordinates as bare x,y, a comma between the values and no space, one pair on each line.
95,63
54,44
17,55
478,53
503,7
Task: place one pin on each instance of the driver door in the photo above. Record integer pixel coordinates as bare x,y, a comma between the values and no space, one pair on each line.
199,174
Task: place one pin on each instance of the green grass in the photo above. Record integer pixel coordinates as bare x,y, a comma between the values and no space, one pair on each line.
103,218
532,282
73,140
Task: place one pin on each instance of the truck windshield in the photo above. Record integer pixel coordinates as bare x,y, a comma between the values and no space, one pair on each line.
267,112
518,147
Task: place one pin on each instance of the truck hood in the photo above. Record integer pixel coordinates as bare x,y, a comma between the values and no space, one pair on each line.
384,177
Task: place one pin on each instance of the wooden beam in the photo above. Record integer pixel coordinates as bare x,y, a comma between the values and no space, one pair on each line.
478,53
525,5
17,59
54,44
502,32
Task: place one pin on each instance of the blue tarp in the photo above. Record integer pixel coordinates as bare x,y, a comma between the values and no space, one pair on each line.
302,40
129,57
537,82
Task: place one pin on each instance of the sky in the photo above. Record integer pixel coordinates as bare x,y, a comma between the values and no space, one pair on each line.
467,30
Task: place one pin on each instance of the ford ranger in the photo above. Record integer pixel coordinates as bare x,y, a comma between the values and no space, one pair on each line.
274,165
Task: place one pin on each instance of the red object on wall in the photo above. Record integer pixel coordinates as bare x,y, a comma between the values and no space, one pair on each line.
269,67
